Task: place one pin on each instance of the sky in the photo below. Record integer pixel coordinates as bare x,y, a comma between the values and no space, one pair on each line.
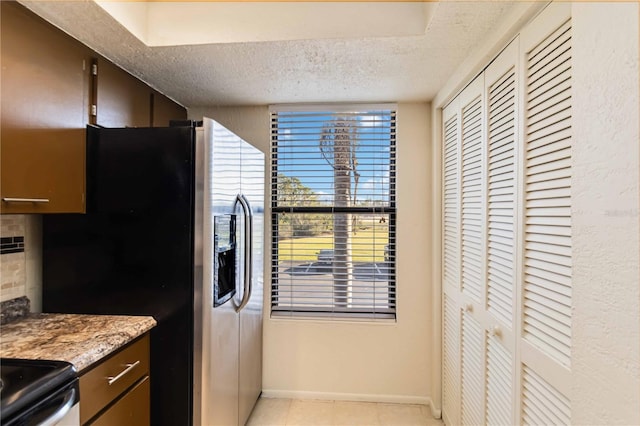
299,154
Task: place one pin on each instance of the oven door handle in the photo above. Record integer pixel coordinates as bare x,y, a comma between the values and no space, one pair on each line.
67,403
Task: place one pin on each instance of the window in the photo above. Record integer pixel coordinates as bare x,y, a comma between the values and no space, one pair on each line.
333,211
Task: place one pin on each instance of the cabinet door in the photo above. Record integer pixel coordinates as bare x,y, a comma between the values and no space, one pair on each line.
44,112
121,100
164,110
130,410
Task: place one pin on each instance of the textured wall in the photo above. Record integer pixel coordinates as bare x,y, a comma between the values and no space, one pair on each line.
606,311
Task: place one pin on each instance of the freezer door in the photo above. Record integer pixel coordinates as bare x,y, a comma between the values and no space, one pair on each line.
250,374
220,325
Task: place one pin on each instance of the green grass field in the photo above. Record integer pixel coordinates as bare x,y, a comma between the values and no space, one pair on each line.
366,246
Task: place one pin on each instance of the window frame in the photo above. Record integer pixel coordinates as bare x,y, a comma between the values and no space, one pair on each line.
390,210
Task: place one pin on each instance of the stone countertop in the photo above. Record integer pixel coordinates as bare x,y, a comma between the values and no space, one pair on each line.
79,339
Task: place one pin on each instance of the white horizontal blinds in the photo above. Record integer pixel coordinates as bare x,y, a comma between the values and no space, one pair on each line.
317,147
311,277
541,403
501,196
472,371
451,361
472,236
451,209
333,212
499,389
547,183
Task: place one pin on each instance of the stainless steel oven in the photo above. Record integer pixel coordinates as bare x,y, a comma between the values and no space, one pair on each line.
38,393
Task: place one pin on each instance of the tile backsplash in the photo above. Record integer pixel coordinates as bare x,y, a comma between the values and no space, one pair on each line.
10,245
21,258
13,264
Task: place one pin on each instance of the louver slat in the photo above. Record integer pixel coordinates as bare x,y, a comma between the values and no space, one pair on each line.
499,387
472,198
472,371
547,264
501,197
541,403
451,360
451,226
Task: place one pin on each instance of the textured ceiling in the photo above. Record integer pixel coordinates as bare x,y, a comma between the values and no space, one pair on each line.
372,69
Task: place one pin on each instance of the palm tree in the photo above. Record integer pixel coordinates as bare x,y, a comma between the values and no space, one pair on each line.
338,145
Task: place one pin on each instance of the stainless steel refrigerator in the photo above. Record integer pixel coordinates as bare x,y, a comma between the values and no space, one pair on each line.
173,229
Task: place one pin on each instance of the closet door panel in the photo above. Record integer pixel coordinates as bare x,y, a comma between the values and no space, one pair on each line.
472,371
451,361
451,202
547,192
545,301
499,383
542,404
501,93
472,189
451,332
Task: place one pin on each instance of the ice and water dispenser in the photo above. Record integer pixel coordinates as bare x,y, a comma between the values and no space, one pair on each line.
224,261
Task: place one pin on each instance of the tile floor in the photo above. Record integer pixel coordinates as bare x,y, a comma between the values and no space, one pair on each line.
294,412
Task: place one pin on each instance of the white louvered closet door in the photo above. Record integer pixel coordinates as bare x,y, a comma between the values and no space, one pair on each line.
501,93
472,251
507,234
451,266
545,343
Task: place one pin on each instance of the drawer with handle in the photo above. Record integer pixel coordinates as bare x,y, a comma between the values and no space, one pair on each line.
107,380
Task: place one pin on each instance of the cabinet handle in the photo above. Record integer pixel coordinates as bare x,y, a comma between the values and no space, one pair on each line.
468,307
25,200
495,331
112,379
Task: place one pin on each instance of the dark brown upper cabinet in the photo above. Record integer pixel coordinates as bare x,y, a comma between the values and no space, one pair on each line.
121,100
164,110
44,105
49,95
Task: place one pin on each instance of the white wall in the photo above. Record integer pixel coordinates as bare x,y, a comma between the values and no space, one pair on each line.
386,361
605,357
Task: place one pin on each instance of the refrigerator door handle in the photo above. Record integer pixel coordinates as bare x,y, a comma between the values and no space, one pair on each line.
248,248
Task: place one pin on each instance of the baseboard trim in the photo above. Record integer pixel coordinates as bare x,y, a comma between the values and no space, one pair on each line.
360,397
435,412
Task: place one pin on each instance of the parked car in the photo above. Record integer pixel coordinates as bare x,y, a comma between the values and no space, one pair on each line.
325,256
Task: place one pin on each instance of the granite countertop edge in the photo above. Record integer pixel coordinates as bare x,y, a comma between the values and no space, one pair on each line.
79,339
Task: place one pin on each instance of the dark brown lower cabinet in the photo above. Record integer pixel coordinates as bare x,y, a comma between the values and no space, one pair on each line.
132,409
115,391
